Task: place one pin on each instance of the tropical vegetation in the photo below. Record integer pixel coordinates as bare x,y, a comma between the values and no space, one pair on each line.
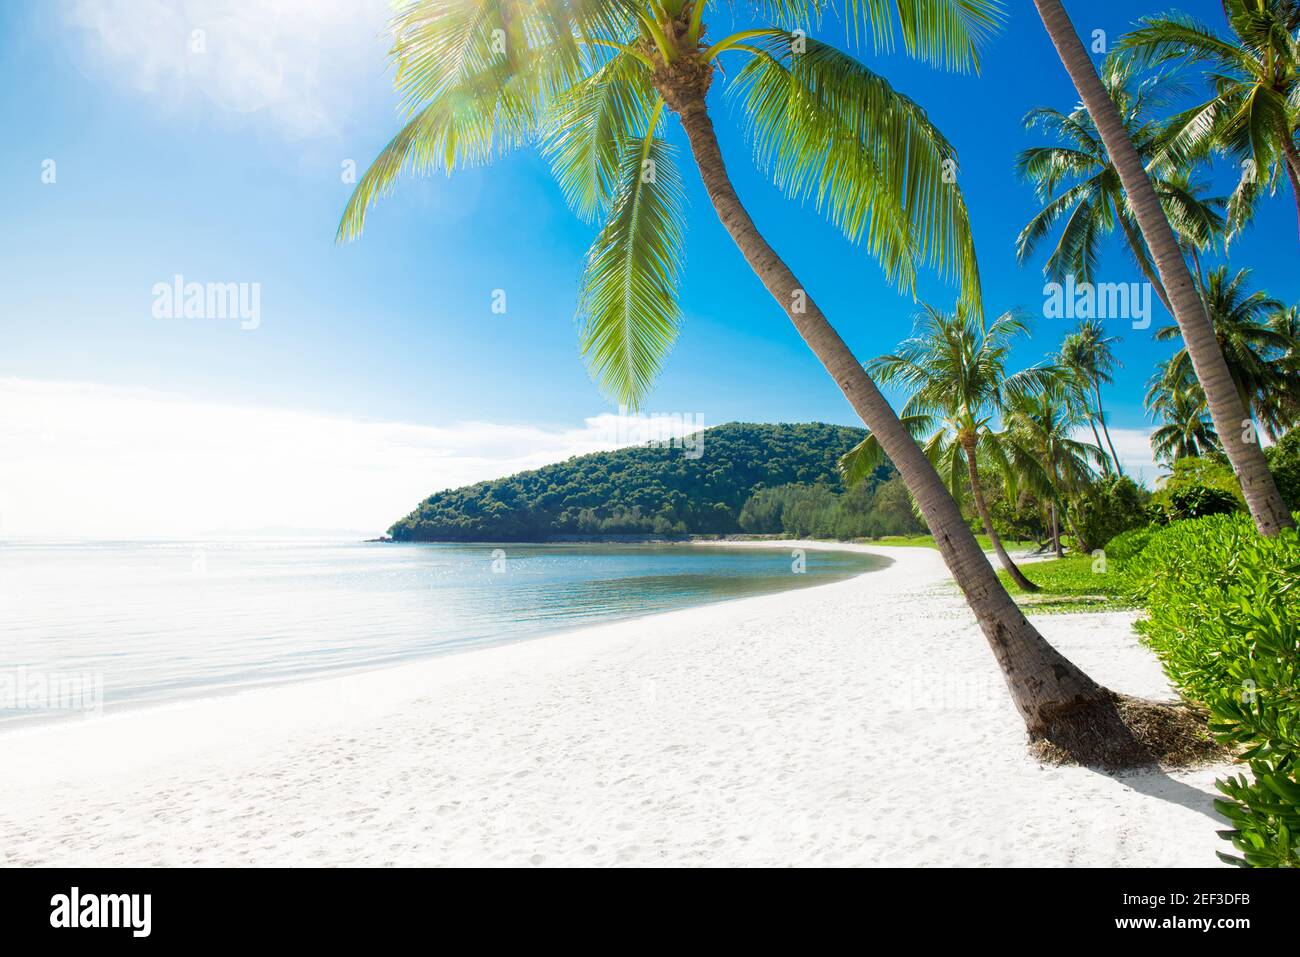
696,487
1223,614
1226,409
1081,189
978,446
954,368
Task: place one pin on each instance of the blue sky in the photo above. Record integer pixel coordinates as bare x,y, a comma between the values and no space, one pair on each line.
230,172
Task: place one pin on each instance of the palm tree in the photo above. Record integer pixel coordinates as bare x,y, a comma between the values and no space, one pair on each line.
590,80
955,369
1252,112
1249,345
1281,408
1243,449
1039,436
1087,356
1177,401
1078,183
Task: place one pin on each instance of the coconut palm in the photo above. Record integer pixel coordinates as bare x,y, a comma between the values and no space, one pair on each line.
1086,355
1249,345
1253,111
1260,490
1039,438
1177,401
1280,410
954,367
596,82
1079,185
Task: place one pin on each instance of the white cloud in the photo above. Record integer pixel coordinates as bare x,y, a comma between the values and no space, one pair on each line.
1134,449
90,461
302,64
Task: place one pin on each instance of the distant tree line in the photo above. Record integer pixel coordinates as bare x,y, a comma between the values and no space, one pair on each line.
652,490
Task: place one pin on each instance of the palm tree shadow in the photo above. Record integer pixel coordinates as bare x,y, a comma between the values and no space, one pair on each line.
1158,783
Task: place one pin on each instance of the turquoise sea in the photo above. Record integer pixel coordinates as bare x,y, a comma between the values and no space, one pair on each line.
151,622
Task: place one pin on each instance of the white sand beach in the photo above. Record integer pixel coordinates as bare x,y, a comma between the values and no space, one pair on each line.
856,723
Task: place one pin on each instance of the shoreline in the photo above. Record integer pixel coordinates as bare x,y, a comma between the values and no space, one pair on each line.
393,670
36,723
854,722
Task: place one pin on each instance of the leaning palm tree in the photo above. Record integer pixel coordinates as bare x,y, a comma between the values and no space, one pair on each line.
1039,437
1249,344
1177,402
1254,76
595,82
1241,444
1087,356
954,367
1080,186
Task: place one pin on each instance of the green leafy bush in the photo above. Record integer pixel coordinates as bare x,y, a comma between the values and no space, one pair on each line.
1199,501
1224,608
1284,462
1015,517
1212,470
1107,507
1128,544
1198,486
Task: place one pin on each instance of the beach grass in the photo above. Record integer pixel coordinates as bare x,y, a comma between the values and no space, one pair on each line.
927,541
1071,584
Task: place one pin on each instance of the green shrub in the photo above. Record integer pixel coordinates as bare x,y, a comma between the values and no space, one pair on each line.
1212,470
1194,502
1017,518
1224,608
1198,486
1284,462
1106,508
1128,544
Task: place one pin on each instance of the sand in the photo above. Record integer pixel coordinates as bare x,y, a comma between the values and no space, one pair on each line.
856,723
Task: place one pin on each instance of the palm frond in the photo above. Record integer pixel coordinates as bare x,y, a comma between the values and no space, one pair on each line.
859,462
628,310
589,128
826,128
946,33
1177,36
476,78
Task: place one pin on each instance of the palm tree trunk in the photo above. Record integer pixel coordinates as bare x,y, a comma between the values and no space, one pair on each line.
1101,417
1084,545
1092,423
1096,437
1266,505
981,506
1058,504
1055,698
1144,261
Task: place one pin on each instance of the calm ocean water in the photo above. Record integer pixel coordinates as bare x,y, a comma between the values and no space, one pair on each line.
155,622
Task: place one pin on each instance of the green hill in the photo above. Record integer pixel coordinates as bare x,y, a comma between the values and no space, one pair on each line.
639,491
